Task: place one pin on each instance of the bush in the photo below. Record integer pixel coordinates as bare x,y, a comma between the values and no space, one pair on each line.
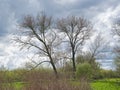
84,70
92,61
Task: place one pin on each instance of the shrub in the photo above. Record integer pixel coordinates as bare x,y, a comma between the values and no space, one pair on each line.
84,70
94,65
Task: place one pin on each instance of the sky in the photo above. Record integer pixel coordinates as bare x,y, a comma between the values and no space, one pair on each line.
100,12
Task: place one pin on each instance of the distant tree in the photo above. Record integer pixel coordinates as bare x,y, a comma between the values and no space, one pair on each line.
77,31
93,52
37,32
96,46
116,32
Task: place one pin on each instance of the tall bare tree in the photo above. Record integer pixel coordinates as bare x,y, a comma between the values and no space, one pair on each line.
77,30
37,32
116,32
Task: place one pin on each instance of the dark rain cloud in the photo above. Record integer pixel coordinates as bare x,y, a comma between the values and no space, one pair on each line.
18,8
12,11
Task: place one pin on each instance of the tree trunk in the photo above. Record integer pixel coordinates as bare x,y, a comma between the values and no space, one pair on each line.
53,66
74,64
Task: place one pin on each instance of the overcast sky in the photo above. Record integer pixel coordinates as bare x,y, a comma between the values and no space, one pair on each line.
100,12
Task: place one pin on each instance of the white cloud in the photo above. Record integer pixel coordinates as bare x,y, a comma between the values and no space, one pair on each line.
11,57
103,21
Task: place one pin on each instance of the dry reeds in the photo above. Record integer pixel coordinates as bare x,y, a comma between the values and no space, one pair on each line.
47,81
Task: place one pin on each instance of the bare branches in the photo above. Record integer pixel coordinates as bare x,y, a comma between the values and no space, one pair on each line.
77,29
39,64
40,34
96,46
36,34
116,28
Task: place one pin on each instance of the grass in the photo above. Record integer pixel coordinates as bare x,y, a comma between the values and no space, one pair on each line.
14,86
106,84
103,84
18,85
45,80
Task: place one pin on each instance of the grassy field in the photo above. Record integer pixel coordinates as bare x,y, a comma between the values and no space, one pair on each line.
34,80
104,84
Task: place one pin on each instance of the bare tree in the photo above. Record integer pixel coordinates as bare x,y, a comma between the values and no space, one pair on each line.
116,32
77,30
94,49
92,53
37,32
96,46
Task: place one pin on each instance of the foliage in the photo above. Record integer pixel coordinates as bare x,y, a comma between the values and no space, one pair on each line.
94,65
84,70
108,74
